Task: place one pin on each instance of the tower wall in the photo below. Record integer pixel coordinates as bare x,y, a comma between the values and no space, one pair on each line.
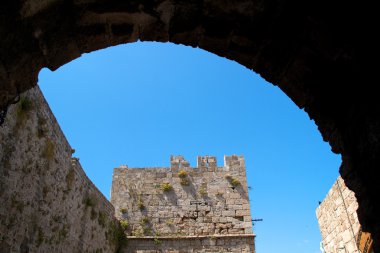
206,202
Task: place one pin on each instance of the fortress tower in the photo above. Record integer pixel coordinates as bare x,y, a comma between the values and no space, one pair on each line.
185,209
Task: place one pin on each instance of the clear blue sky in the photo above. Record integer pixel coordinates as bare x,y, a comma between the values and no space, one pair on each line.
139,103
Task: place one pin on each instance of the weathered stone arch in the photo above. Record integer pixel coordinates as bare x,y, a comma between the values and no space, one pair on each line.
317,52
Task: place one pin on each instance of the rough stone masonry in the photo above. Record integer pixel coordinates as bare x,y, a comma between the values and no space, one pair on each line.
185,209
339,224
48,204
320,55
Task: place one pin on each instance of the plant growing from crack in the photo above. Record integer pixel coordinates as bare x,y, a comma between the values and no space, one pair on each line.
182,174
166,187
233,181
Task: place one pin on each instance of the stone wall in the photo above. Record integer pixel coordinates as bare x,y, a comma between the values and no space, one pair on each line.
320,55
338,220
47,202
207,202
192,244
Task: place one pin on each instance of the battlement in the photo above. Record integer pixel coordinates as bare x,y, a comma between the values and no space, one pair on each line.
206,163
177,162
234,161
184,200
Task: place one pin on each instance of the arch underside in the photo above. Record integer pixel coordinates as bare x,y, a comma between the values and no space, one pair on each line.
318,54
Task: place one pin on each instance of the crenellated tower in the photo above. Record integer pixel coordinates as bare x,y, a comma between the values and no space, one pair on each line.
205,203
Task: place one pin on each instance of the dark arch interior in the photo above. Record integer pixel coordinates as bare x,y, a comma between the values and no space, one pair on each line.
318,54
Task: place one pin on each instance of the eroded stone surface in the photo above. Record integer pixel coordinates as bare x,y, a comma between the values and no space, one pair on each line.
338,220
196,244
48,204
187,209
320,54
339,224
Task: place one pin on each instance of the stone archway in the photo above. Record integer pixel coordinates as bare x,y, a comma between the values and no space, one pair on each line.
317,53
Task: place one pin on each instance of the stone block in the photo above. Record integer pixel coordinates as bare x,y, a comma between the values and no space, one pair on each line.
228,213
242,213
190,213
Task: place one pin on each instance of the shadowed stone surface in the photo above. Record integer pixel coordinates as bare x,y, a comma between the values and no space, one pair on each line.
48,204
318,52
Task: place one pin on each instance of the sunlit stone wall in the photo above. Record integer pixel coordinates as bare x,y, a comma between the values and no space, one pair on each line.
185,209
338,220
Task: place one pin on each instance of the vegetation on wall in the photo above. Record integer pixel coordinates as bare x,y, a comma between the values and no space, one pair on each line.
89,202
139,232
93,214
40,237
116,236
48,151
157,241
184,182
202,191
24,106
182,174
102,219
49,207
63,233
166,187
41,127
233,181
140,203
144,220
124,224
70,178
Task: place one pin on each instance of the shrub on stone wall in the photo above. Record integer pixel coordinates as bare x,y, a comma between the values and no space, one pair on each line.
166,187
48,152
41,127
117,236
89,202
70,177
102,218
24,106
184,181
140,204
124,224
137,232
182,174
233,181
144,220
157,241
202,191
